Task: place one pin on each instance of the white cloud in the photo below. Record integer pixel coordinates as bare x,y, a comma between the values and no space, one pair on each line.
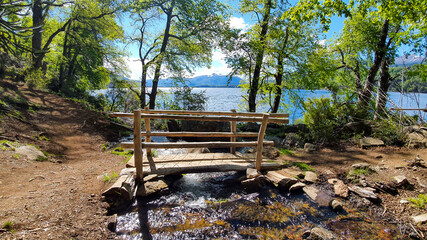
238,23
219,66
134,66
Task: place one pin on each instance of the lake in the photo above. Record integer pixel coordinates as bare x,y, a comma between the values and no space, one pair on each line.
224,99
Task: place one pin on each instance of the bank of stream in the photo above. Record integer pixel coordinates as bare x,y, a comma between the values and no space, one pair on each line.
215,206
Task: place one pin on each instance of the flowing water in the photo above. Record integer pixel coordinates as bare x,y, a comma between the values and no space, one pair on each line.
214,206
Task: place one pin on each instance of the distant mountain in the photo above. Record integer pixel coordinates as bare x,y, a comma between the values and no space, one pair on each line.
408,60
213,80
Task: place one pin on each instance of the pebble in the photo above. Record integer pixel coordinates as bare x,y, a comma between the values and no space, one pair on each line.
403,201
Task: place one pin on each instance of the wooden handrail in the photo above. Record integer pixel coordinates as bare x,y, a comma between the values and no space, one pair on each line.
196,144
201,134
214,118
185,112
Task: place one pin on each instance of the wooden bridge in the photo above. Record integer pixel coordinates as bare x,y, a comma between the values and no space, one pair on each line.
198,162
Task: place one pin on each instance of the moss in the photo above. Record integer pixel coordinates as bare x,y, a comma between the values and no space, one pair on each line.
8,226
300,165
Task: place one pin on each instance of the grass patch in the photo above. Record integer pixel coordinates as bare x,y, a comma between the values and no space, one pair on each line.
300,165
110,177
360,172
41,159
122,152
5,144
42,138
15,155
286,152
420,201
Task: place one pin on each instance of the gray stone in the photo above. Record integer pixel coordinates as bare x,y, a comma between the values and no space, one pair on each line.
149,188
365,193
336,205
31,152
416,140
253,184
291,140
403,201
309,147
112,223
252,173
296,187
321,234
361,166
370,142
321,198
128,171
340,189
310,177
401,180
282,179
420,218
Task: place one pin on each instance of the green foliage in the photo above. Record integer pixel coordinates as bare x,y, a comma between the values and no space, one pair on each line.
300,165
154,153
413,79
286,152
41,159
185,99
110,177
15,155
122,152
36,79
323,117
420,201
389,131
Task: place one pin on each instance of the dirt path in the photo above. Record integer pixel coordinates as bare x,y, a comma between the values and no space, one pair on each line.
60,198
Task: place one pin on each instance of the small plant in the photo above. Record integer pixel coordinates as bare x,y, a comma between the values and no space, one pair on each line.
110,177
105,147
121,152
420,201
42,138
154,153
286,152
360,172
15,155
8,226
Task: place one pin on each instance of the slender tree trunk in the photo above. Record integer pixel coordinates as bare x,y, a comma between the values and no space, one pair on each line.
159,62
37,10
259,58
380,53
382,90
279,74
143,86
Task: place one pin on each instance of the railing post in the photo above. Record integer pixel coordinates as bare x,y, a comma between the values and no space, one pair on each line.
261,135
233,129
148,131
137,144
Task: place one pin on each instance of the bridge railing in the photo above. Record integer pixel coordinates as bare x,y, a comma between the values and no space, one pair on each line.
233,117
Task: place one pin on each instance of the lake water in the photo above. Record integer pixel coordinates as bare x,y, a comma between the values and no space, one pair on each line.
225,99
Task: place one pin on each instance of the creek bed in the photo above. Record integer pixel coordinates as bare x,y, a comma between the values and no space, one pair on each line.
214,206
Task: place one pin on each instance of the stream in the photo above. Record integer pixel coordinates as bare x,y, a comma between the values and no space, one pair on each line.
215,206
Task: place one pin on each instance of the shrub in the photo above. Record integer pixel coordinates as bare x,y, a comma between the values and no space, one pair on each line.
389,131
322,117
36,79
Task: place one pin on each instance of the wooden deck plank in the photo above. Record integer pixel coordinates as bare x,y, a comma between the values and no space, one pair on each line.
202,162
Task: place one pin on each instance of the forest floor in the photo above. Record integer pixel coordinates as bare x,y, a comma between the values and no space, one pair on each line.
61,198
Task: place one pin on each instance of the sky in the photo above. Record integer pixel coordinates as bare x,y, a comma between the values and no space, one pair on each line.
218,66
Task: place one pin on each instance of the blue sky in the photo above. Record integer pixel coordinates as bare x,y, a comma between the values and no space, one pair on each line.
218,64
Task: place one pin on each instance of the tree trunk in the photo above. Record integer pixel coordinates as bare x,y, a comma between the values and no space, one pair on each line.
37,10
259,58
279,75
380,53
159,62
382,90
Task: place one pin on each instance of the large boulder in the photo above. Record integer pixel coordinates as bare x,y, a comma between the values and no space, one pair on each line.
292,140
370,142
